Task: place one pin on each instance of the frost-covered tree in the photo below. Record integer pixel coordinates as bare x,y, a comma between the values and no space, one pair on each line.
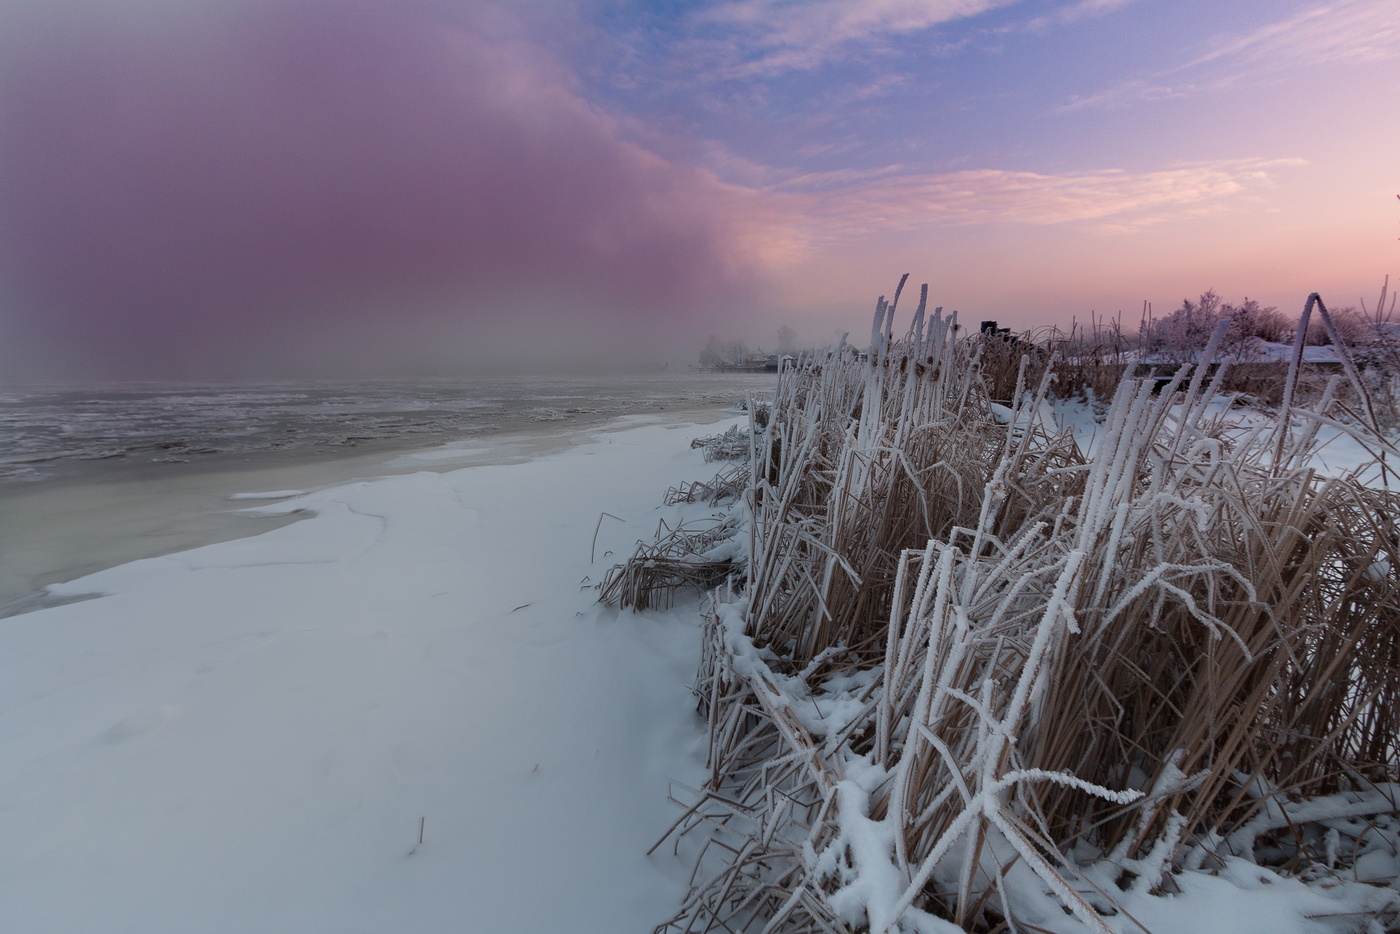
719,352
1353,327
1181,336
1249,320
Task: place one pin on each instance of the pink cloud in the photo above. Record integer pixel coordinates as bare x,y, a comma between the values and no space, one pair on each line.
1109,200
167,187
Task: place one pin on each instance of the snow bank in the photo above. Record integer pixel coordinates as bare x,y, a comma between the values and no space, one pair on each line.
248,736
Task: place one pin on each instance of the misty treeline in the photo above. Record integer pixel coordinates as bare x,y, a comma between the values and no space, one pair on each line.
721,351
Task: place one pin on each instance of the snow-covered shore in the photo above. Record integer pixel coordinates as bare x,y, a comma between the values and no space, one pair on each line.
250,735
59,530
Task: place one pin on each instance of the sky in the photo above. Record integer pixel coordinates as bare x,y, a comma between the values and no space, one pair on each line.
213,189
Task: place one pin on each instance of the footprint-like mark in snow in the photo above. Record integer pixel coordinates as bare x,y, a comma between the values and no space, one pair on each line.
142,724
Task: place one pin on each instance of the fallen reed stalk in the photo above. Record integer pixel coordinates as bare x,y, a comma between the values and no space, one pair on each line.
688,557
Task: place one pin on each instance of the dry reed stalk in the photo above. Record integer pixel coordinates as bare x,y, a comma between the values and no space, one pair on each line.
1085,362
975,675
733,444
683,558
725,486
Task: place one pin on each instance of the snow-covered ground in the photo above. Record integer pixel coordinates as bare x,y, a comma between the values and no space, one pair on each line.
250,735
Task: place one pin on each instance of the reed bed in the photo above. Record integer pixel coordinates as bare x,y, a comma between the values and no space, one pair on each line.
973,674
1085,362
1088,361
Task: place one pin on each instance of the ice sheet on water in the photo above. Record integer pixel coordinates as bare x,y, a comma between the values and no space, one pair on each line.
270,494
46,432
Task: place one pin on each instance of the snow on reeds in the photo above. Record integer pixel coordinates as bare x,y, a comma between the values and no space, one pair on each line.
974,675
687,557
733,444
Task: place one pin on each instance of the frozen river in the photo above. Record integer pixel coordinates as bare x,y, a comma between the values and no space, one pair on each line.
55,432
91,478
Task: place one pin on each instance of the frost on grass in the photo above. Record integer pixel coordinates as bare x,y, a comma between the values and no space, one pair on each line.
965,675
733,444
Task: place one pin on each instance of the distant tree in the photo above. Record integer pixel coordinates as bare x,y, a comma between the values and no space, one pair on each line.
1353,327
1181,336
1251,321
787,340
710,355
719,352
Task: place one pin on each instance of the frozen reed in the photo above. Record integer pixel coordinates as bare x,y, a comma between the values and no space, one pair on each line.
973,673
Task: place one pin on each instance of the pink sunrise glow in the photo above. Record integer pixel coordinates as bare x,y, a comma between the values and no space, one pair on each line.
271,185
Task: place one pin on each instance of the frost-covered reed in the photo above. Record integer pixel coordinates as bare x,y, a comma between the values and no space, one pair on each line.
976,674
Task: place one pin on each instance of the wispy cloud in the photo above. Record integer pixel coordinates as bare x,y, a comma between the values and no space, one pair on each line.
1071,12
840,179
1092,8
1107,200
1146,90
1350,31
787,35
775,36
